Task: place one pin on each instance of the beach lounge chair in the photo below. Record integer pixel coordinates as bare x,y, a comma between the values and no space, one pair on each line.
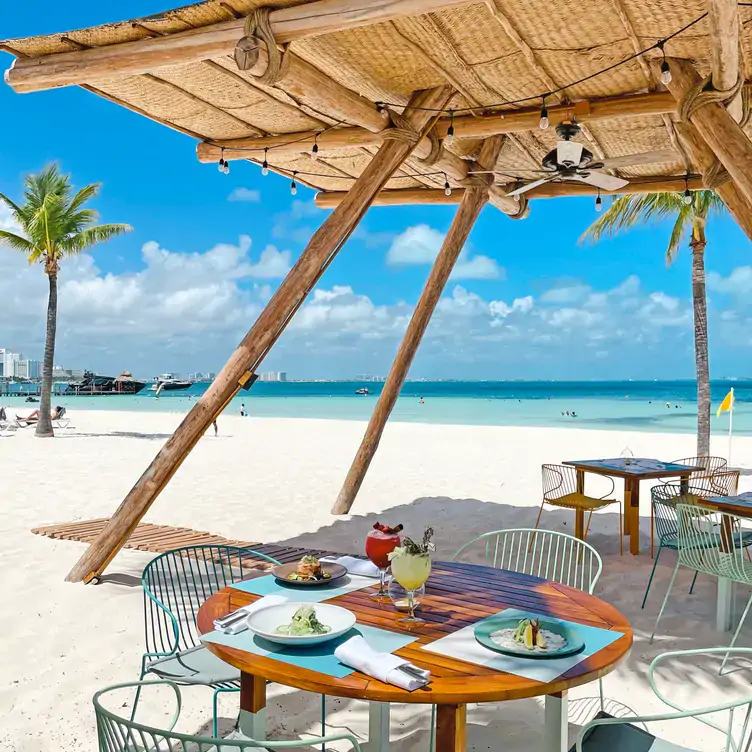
608,734
61,420
176,584
117,733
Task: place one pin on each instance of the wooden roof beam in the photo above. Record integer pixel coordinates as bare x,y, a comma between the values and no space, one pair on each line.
723,17
400,197
206,42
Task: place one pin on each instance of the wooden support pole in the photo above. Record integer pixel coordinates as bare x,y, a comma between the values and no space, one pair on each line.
468,127
716,126
403,196
703,158
319,252
723,18
206,42
473,200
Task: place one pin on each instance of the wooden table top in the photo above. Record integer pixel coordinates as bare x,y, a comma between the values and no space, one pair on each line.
457,595
604,467
740,504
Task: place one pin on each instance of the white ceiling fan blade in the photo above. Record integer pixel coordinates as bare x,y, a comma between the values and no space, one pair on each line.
632,160
529,186
568,152
601,180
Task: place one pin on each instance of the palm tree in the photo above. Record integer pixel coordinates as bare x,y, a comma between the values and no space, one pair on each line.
54,225
690,217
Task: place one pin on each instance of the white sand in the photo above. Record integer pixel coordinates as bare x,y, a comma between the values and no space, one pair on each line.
275,480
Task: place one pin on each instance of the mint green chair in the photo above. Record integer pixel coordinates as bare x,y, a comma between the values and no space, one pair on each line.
117,733
606,734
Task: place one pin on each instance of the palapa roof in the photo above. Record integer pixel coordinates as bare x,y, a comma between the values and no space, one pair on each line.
493,54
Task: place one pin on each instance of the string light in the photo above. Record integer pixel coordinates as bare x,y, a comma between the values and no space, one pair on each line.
598,201
315,149
449,139
665,69
294,185
224,165
447,187
382,110
265,164
543,122
687,194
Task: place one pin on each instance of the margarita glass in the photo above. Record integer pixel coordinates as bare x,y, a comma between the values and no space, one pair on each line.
380,542
411,565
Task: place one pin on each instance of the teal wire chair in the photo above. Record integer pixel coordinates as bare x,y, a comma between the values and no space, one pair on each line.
609,734
175,585
712,542
116,733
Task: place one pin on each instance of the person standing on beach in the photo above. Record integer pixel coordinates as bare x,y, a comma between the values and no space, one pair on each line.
243,412
216,430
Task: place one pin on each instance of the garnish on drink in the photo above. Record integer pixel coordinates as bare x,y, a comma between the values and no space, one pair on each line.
380,542
411,565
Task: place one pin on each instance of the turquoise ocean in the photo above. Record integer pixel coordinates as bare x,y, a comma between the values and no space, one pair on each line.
627,405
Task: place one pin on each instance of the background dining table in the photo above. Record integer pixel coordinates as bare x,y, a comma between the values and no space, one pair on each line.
632,470
457,597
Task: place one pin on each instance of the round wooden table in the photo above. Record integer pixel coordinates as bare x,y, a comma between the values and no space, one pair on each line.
457,595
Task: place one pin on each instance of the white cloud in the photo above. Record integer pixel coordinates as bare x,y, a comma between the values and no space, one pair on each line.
739,282
565,294
7,222
248,195
420,244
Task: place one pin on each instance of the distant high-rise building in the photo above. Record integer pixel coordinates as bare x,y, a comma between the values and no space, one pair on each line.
273,376
10,364
27,369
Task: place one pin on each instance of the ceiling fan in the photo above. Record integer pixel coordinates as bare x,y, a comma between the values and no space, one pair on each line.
570,160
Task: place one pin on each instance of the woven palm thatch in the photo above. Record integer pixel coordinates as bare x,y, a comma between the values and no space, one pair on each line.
492,53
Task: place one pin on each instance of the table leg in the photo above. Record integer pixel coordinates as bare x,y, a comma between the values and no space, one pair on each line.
556,724
252,721
725,601
451,728
627,501
632,510
580,481
378,727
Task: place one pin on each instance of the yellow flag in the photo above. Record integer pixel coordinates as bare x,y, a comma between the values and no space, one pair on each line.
727,404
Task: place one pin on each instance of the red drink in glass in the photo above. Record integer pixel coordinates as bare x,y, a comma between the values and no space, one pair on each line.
380,542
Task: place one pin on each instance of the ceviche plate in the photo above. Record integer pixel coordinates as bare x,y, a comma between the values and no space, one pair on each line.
331,573
496,634
297,618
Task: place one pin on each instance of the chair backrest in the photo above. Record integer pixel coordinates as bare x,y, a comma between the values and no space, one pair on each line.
178,582
707,463
664,498
553,556
721,483
558,481
116,732
712,542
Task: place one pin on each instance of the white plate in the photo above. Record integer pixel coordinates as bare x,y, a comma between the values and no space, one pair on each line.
265,622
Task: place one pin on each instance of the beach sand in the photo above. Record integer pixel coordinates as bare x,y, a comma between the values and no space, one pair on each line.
275,480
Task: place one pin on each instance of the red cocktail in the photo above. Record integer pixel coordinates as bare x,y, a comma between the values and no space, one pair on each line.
380,542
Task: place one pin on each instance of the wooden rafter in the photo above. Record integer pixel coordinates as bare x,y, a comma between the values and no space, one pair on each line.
637,45
723,17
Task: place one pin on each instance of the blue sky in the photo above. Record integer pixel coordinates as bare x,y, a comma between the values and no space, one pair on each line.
180,291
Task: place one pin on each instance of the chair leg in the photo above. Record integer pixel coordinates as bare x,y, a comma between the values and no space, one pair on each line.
138,691
736,634
537,522
665,600
652,531
652,574
215,718
432,738
694,579
323,721
621,537
587,527
600,688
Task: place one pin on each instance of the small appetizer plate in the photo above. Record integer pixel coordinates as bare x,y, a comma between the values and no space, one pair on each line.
574,643
335,572
265,621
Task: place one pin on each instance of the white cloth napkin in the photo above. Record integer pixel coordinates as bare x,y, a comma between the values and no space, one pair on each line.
242,623
356,652
353,565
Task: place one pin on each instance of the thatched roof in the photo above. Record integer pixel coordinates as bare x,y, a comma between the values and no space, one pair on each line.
491,52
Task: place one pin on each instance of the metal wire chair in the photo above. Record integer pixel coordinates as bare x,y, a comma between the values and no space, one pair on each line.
712,542
176,584
548,554
721,483
116,733
608,734
560,489
707,464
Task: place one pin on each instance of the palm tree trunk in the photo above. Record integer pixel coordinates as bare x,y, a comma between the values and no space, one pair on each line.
44,426
702,366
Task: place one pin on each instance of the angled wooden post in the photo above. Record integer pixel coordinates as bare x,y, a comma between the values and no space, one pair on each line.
716,126
473,200
319,252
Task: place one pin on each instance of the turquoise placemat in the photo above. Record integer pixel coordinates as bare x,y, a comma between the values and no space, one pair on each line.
313,657
463,646
269,585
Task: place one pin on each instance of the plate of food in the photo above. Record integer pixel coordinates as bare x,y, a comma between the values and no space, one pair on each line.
301,623
529,637
309,572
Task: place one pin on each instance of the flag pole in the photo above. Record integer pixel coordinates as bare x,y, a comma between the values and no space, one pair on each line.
731,424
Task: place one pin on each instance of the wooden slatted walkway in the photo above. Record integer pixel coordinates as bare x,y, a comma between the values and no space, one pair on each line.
161,538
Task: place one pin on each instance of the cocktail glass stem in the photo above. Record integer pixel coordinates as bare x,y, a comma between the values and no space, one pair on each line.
411,605
382,594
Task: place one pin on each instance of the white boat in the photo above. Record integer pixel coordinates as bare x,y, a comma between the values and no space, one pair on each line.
167,382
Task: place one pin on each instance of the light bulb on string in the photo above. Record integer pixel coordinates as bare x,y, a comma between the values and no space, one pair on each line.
382,110
265,164
449,138
294,185
447,187
226,168
221,164
543,122
315,150
665,69
598,202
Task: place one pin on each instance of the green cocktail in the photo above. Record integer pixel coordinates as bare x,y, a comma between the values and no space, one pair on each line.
411,566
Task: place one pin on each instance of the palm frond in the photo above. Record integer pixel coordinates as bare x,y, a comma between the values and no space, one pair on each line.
84,195
91,236
16,242
48,181
15,209
677,233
